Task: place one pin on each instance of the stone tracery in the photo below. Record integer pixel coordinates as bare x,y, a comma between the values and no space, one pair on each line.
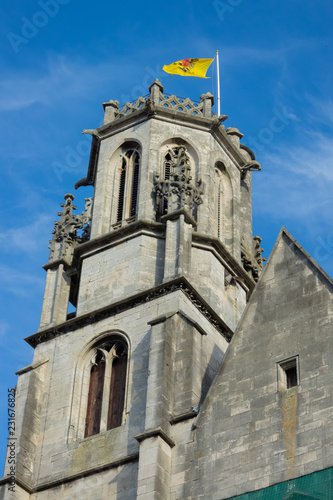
66,231
177,191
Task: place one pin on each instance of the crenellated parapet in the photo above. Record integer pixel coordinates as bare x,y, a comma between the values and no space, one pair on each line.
158,98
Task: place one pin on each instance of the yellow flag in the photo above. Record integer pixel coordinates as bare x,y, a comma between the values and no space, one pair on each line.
189,67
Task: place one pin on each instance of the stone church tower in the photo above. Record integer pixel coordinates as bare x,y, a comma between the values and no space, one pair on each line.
125,396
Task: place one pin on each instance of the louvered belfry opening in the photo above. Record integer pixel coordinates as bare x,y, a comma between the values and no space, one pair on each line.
128,185
218,203
107,387
121,197
135,183
167,174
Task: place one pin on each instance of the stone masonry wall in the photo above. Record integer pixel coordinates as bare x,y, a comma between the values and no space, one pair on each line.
250,432
60,449
119,271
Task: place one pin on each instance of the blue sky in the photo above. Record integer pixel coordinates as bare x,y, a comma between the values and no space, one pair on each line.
61,59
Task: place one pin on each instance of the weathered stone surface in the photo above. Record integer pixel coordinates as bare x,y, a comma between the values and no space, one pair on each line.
260,433
170,275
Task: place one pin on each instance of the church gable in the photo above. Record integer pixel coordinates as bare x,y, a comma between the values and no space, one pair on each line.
268,415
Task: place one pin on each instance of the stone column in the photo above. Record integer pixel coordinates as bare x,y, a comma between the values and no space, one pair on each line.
154,469
208,102
178,244
56,296
155,441
58,280
155,90
111,108
160,379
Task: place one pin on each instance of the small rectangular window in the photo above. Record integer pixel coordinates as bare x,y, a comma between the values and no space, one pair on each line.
288,373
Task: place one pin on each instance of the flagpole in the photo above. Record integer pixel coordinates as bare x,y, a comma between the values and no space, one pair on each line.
218,85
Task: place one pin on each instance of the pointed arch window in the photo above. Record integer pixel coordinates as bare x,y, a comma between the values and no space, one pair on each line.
128,186
223,205
170,163
167,167
218,219
107,386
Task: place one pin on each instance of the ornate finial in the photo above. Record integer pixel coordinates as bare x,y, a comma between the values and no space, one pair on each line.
178,191
253,261
65,232
156,82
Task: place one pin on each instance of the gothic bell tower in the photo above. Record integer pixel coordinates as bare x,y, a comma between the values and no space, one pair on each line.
159,267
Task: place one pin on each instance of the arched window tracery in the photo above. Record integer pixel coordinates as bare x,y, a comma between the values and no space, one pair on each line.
169,161
175,184
128,186
218,219
223,205
107,387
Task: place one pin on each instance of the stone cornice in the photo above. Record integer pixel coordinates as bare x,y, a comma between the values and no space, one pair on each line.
74,477
214,244
234,153
158,432
33,366
175,215
164,317
184,416
157,229
130,231
180,283
146,112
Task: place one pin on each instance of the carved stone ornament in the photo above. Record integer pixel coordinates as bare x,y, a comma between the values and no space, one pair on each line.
177,191
253,260
65,233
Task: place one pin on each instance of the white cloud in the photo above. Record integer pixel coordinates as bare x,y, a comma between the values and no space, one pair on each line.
22,90
4,327
297,180
315,161
18,283
233,55
28,238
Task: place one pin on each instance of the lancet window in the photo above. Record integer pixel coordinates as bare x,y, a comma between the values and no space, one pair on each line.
218,219
223,207
107,386
169,160
129,172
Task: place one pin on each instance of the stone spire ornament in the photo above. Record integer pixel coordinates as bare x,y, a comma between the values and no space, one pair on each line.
65,232
177,190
